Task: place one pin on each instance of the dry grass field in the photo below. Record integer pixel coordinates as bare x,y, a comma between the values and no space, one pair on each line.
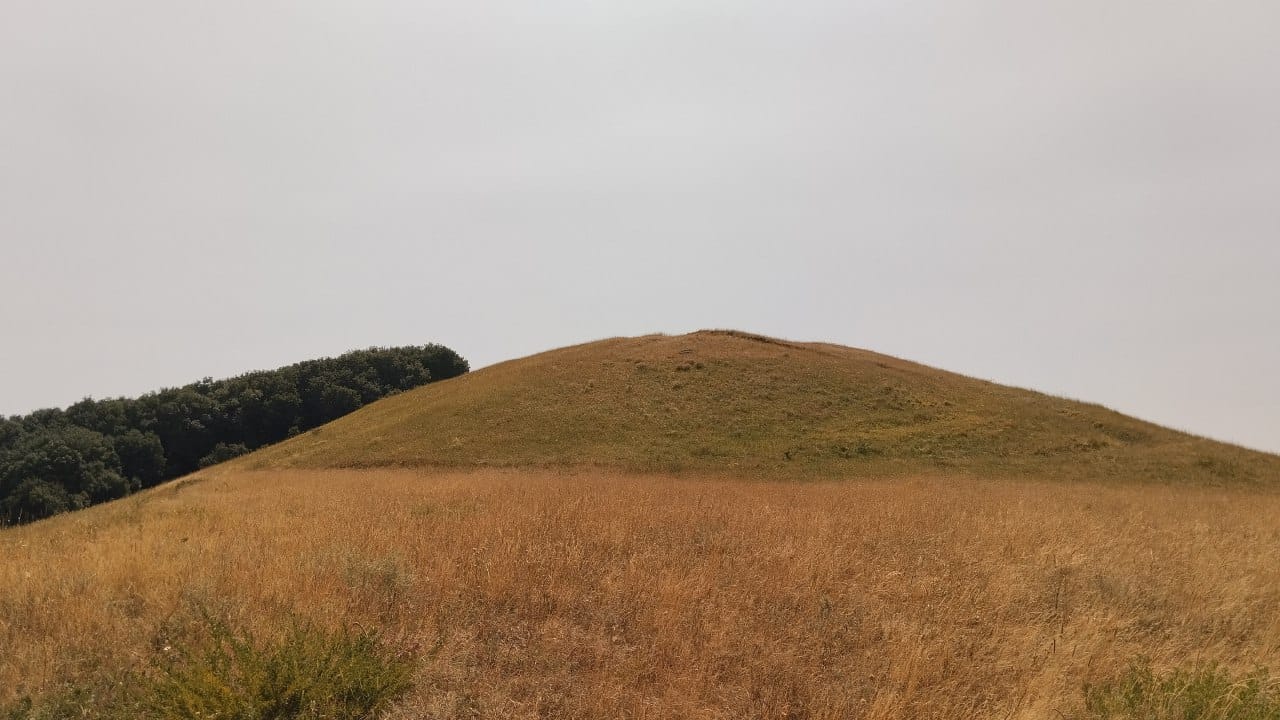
591,594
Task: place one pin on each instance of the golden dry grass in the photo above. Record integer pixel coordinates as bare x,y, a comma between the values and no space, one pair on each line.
581,595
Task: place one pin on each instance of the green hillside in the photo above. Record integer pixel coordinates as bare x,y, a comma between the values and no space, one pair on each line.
729,402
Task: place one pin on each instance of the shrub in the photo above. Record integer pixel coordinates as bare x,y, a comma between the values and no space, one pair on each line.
69,704
1207,693
223,452
311,674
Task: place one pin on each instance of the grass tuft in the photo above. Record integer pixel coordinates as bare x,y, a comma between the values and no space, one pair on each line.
1207,693
310,674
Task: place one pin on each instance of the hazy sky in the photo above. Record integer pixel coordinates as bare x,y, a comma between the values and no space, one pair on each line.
1079,196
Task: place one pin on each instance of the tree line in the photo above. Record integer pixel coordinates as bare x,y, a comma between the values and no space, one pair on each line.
56,460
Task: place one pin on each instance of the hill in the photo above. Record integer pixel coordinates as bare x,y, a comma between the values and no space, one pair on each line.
735,403
293,583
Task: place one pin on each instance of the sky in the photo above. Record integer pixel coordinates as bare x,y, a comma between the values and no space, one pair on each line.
1076,196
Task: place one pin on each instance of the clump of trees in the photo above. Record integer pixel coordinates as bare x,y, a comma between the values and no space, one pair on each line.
54,460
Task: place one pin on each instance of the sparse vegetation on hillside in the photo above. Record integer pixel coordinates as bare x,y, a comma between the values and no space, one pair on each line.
52,461
736,404
544,595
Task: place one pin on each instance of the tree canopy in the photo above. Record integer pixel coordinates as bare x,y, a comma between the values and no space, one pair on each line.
55,460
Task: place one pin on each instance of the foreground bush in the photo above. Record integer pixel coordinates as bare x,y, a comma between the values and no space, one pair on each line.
1202,694
311,674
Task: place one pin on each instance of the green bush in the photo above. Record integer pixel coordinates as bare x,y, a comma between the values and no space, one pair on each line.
1207,693
222,452
67,703
310,674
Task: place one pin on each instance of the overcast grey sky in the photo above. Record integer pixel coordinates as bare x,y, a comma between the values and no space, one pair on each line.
1078,196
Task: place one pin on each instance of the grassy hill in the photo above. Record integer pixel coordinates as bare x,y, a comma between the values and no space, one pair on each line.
351,573
723,401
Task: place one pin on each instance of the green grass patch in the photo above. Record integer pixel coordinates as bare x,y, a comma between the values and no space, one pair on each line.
722,402
1207,693
309,674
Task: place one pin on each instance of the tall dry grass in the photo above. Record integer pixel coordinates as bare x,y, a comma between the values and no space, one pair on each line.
543,595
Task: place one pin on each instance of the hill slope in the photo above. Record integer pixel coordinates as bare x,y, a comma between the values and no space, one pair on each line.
744,404
524,593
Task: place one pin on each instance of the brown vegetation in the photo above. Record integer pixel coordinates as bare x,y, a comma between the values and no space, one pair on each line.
582,595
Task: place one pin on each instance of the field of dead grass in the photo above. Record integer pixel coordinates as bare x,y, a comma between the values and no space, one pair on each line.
542,594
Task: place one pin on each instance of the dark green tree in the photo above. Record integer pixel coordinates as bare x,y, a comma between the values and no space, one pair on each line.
54,460
81,462
223,452
141,457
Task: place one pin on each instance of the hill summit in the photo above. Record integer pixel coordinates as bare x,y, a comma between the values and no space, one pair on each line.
736,403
